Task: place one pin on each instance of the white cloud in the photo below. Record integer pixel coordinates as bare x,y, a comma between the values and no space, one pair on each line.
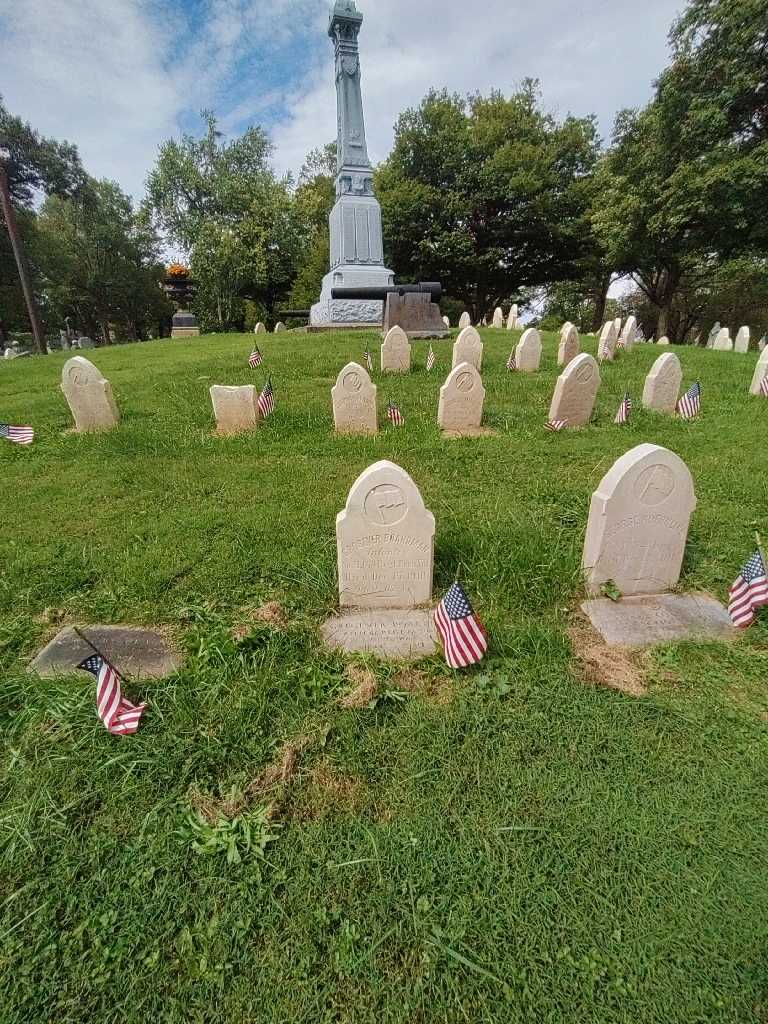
118,77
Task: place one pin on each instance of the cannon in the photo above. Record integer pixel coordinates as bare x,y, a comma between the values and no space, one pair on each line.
414,307
293,314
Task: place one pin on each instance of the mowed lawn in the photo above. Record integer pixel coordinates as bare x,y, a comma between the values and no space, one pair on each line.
511,843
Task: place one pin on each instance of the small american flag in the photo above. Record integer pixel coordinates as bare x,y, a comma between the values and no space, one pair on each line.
369,360
19,435
764,387
620,344
394,415
749,592
266,402
255,358
511,364
625,410
555,425
430,359
119,716
689,405
463,635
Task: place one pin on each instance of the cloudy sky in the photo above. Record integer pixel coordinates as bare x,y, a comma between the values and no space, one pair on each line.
118,77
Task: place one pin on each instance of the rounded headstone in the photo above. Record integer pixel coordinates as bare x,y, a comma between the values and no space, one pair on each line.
89,396
662,385
576,391
235,408
528,351
354,402
468,348
569,346
461,399
396,352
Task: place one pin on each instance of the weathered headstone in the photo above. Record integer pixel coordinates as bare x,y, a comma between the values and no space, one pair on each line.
259,328
465,320
628,334
761,371
528,351
662,385
659,618
85,342
638,523
663,340
742,340
498,317
606,347
713,334
354,402
569,346
385,538
461,399
89,396
512,318
135,651
723,341
396,352
468,348
576,391
617,326
235,408
447,321
9,353
279,327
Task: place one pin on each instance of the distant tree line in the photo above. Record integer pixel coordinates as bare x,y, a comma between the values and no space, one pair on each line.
489,194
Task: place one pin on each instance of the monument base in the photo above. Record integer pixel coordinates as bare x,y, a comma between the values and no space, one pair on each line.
341,312
418,316
657,619
184,325
185,332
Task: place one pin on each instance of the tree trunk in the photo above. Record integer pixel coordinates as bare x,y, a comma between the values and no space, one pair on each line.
21,263
600,298
105,331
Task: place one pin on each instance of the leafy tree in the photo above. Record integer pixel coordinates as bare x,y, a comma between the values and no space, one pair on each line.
487,194
314,199
101,261
30,163
686,181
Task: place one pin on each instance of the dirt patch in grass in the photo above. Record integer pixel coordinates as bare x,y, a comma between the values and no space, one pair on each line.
270,614
325,791
364,687
618,668
438,689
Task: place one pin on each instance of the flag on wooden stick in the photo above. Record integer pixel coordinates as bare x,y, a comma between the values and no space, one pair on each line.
689,406
463,634
266,400
749,592
555,425
625,410
394,415
369,360
511,364
764,387
19,435
255,358
119,716
430,359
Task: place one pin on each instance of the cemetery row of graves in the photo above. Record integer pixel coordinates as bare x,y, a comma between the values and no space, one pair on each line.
301,825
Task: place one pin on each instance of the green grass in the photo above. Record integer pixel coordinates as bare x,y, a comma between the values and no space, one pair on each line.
533,849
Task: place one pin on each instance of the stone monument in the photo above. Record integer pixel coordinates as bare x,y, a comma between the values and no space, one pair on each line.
638,523
89,396
357,253
354,402
235,408
662,385
576,391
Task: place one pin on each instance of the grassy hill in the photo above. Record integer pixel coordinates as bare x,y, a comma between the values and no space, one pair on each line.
512,843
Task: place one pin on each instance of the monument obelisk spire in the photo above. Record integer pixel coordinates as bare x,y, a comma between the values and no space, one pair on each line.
357,255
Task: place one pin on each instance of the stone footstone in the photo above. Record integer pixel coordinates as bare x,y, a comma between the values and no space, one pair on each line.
452,435
134,651
659,618
390,634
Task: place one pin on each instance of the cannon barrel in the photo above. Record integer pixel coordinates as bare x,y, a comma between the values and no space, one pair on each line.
298,314
433,288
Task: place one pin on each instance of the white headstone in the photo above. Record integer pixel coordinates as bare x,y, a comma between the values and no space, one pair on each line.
9,353
354,402
628,334
385,539
713,334
742,340
569,346
468,348
723,341
528,351
461,399
761,371
259,328
512,318
576,391
235,408
617,325
396,352
662,385
498,317
89,396
279,326
465,320
663,340
606,347
638,523
447,321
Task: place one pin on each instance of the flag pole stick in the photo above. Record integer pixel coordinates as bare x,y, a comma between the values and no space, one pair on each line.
759,540
96,650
